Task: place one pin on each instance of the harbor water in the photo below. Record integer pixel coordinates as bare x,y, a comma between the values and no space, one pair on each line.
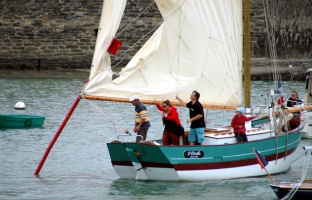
79,167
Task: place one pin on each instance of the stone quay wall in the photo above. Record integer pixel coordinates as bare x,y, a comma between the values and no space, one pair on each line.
62,33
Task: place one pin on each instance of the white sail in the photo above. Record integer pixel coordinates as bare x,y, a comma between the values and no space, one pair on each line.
198,47
112,12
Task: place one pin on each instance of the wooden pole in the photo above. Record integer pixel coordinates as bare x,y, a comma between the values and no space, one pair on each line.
253,149
57,135
115,99
269,175
247,53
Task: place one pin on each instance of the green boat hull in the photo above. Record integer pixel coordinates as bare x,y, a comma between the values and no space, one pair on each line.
20,121
207,162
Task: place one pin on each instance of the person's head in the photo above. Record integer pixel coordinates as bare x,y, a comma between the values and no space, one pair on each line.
195,95
294,95
240,111
166,105
135,100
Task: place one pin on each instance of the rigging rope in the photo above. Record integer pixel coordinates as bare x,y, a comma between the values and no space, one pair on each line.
269,12
126,51
97,108
129,24
275,18
135,18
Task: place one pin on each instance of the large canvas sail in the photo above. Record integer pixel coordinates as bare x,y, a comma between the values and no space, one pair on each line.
198,47
112,12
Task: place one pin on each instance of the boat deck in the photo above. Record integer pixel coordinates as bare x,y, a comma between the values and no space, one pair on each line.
227,136
306,184
304,191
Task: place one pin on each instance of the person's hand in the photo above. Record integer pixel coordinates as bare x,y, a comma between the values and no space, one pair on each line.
164,114
189,120
177,97
240,126
155,101
136,129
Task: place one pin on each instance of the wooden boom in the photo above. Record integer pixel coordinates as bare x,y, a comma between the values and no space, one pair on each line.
217,107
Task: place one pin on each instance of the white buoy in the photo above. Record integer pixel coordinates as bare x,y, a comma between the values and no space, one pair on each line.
20,105
307,148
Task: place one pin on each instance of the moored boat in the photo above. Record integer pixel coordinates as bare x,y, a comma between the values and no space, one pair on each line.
298,190
20,121
304,191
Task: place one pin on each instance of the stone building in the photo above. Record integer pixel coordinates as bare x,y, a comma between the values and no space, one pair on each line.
62,33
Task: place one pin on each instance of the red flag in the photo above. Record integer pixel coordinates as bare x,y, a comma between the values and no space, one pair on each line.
281,100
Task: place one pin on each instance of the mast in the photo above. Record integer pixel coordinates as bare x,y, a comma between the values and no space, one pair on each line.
246,53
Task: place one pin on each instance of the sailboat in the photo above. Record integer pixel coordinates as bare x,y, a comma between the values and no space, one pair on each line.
199,47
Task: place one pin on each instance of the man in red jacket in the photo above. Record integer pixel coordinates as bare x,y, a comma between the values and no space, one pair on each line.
238,124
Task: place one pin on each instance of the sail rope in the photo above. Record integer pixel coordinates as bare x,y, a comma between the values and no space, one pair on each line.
269,11
181,23
122,57
272,21
132,47
296,185
276,17
293,74
298,157
272,14
129,24
106,116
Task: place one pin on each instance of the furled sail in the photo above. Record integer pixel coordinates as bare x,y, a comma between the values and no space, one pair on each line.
198,47
112,12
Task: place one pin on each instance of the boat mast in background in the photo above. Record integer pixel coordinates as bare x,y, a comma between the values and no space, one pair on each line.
246,53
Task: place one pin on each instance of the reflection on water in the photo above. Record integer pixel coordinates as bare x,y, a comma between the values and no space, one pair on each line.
78,166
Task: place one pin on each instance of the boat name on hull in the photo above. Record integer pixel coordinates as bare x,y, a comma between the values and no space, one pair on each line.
193,154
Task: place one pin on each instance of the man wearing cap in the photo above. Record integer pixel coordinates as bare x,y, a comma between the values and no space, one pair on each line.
142,123
238,124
